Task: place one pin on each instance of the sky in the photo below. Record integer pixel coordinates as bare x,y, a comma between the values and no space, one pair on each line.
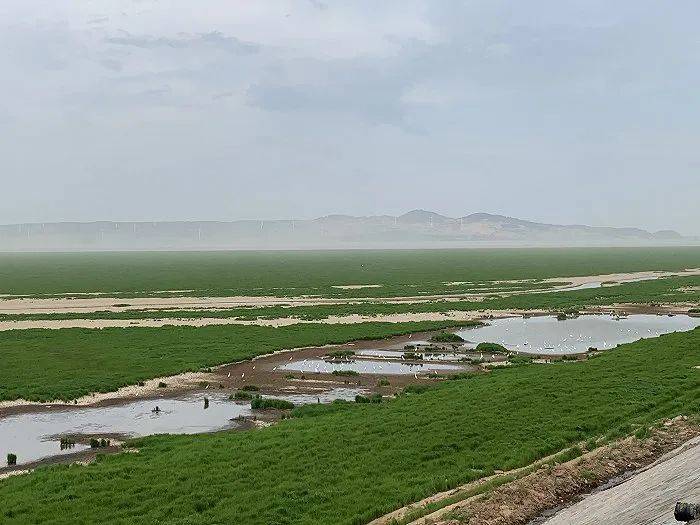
576,112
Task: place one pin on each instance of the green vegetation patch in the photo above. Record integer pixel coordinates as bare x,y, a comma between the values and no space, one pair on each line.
493,348
43,365
348,463
399,272
446,337
266,403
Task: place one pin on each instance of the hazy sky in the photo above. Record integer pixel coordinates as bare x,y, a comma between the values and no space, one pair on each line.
561,111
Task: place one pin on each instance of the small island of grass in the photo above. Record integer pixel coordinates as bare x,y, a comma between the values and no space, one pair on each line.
446,337
493,348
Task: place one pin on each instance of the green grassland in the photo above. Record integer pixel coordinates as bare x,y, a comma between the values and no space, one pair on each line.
348,463
668,290
43,365
400,272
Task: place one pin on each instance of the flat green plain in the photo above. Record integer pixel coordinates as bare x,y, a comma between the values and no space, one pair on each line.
399,272
346,464
667,290
44,365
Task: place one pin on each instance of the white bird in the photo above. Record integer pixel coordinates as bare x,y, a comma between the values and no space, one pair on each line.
253,367
243,374
229,374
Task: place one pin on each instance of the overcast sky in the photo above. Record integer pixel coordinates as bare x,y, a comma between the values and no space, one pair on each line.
560,111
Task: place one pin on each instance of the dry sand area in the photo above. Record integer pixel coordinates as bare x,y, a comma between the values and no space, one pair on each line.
86,305
18,305
282,321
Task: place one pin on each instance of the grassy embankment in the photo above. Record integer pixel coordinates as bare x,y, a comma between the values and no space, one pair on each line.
399,272
348,463
44,365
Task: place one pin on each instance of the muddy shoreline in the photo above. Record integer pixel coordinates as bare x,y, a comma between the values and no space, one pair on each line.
228,377
258,370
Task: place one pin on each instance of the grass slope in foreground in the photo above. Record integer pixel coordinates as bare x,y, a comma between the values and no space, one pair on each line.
43,365
346,464
400,272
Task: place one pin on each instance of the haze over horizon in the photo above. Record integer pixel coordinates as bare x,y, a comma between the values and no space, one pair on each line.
141,110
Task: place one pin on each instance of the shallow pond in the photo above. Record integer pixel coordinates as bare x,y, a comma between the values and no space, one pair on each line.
398,354
36,435
547,335
366,366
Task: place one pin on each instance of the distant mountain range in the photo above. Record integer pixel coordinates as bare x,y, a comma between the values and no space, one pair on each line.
415,229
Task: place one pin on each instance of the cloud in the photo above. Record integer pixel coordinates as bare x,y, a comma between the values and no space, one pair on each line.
213,39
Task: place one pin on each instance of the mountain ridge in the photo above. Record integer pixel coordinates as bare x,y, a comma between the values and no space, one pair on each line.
414,228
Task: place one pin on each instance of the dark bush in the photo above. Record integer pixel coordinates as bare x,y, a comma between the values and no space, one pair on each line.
340,354
345,373
241,395
493,348
446,337
11,459
264,403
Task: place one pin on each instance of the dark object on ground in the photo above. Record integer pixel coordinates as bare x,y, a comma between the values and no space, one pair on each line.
687,511
11,459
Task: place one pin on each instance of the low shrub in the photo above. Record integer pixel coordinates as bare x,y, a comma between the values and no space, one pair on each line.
250,388
265,403
383,382
519,359
446,337
493,348
67,443
345,373
340,354
11,459
241,395
99,443
161,384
